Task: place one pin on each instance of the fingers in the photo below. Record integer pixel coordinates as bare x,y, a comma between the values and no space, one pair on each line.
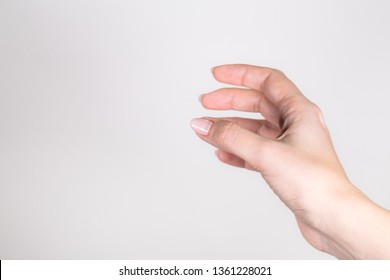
242,100
250,143
232,138
276,87
260,127
232,160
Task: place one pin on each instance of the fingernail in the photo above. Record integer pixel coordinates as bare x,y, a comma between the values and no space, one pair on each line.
200,98
212,70
201,126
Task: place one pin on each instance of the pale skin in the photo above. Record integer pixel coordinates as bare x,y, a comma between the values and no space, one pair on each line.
291,148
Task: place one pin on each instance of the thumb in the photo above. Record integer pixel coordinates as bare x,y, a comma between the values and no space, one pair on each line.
230,137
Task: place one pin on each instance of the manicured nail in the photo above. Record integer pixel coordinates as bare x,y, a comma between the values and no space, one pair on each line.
201,97
201,126
212,70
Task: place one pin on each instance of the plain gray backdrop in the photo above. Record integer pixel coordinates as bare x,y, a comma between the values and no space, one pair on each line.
97,159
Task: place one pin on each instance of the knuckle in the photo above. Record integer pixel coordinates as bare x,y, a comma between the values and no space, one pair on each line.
315,110
277,83
318,113
257,106
278,73
228,133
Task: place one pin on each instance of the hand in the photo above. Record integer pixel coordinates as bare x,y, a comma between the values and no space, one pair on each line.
291,148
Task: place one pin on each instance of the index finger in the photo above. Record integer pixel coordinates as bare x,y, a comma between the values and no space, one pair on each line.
273,83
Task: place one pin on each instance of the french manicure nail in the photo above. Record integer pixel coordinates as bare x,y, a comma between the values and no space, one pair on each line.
201,126
200,98
212,70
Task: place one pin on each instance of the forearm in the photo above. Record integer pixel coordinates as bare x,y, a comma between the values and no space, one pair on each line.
357,228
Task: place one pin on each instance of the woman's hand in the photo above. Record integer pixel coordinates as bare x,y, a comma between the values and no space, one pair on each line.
292,149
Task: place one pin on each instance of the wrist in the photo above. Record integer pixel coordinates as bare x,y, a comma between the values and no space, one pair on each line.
354,227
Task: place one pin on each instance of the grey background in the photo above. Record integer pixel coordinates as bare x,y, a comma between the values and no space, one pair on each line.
97,159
